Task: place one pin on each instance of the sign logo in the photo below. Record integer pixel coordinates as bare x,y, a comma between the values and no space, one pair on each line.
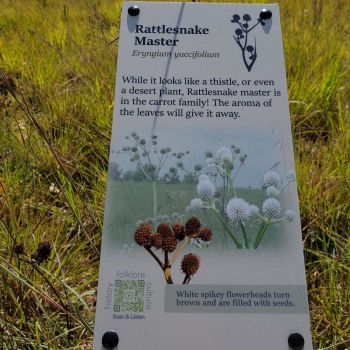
249,52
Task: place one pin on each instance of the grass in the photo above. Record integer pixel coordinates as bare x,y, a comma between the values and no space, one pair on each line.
54,144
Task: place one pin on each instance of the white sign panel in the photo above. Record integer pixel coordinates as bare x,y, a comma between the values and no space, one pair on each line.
201,243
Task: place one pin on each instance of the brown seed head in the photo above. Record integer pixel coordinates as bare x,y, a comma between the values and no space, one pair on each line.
19,248
143,234
164,230
42,253
206,234
169,243
157,240
193,226
190,264
179,231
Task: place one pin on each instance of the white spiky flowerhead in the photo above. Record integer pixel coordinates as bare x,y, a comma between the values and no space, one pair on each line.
196,203
272,191
237,209
205,189
253,209
149,221
290,215
271,178
204,177
290,175
190,209
223,154
272,208
210,162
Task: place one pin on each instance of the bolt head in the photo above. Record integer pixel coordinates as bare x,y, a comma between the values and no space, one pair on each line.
110,340
133,11
296,341
265,14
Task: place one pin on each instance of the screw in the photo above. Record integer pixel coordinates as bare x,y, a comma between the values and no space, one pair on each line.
265,14
133,11
110,340
296,341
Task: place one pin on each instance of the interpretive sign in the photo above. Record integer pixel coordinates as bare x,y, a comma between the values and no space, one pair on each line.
201,243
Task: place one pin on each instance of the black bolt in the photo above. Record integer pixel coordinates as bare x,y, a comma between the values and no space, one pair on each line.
296,341
110,340
265,14
133,11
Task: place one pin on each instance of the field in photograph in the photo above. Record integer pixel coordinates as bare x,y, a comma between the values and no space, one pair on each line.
173,199
58,67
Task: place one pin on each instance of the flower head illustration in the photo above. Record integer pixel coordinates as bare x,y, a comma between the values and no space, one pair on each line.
230,208
223,154
272,191
196,203
290,175
205,235
190,265
290,215
210,162
271,178
249,52
272,207
253,210
167,239
237,209
143,235
205,189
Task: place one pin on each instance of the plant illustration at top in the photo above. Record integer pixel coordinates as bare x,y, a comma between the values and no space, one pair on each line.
233,211
241,38
151,159
167,238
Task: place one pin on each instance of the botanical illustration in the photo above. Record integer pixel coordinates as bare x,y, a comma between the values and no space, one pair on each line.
232,211
157,232
216,205
167,239
151,160
249,51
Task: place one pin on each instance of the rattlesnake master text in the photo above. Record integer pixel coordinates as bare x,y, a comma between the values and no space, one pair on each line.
162,29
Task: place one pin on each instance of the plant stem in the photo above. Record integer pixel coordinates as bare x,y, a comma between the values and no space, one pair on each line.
167,275
179,250
224,243
155,223
155,257
231,182
261,233
238,245
187,279
245,236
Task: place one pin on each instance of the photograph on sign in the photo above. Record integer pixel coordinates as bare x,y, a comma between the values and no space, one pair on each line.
201,241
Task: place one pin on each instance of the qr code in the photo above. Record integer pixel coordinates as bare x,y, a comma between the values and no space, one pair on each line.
129,295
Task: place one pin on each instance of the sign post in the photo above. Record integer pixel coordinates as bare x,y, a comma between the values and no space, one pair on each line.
202,242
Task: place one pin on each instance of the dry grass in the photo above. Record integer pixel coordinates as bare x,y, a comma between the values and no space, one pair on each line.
54,144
